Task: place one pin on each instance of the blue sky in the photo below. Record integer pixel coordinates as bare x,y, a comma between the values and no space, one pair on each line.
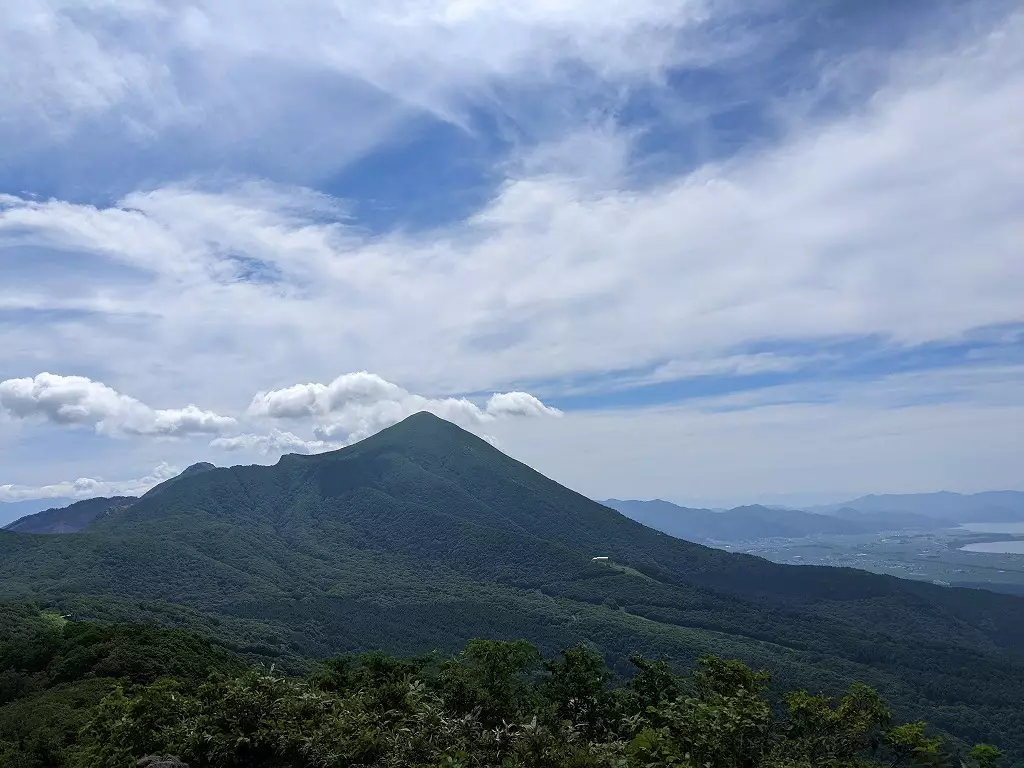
685,250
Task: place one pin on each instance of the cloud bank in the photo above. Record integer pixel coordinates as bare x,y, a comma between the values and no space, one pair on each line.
276,443
87,487
79,401
356,405
352,407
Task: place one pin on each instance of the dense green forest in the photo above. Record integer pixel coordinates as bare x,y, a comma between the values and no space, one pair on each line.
424,537
69,519
81,695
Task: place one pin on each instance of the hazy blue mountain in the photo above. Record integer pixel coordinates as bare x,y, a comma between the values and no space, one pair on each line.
746,523
75,516
885,521
69,519
989,506
13,510
71,516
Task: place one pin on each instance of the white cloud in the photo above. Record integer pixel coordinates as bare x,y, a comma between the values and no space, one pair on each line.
350,408
900,220
295,402
518,404
233,73
275,443
87,487
356,405
79,401
909,433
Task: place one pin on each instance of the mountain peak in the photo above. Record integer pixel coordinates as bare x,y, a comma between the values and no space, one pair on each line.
422,421
198,467
424,417
70,519
421,428
195,469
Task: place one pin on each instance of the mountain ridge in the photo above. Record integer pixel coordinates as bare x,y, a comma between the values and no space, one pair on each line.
745,523
983,507
70,519
77,515
12,511
424,536
194,469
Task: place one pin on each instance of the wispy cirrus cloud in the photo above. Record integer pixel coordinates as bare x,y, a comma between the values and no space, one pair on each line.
425,53
250,86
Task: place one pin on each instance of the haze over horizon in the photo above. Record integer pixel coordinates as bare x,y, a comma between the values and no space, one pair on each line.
87,488
677,250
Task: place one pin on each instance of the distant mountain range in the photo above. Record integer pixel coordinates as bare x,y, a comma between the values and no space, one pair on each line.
740,524
13,510
70,519
425,536
868,514
75,516
986,507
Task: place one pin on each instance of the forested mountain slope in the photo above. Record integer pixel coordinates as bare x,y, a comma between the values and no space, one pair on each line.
54,672
14,510
425,536
70,519
81,695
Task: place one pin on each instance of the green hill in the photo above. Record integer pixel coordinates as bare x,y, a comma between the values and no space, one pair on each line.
13,510
69,519
424,537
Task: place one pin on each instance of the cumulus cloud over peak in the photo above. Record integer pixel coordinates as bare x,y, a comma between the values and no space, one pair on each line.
304,400
348,409
80,401
356,405
368,390
295,402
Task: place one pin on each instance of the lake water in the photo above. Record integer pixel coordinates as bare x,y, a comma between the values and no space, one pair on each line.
994,527
996,547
